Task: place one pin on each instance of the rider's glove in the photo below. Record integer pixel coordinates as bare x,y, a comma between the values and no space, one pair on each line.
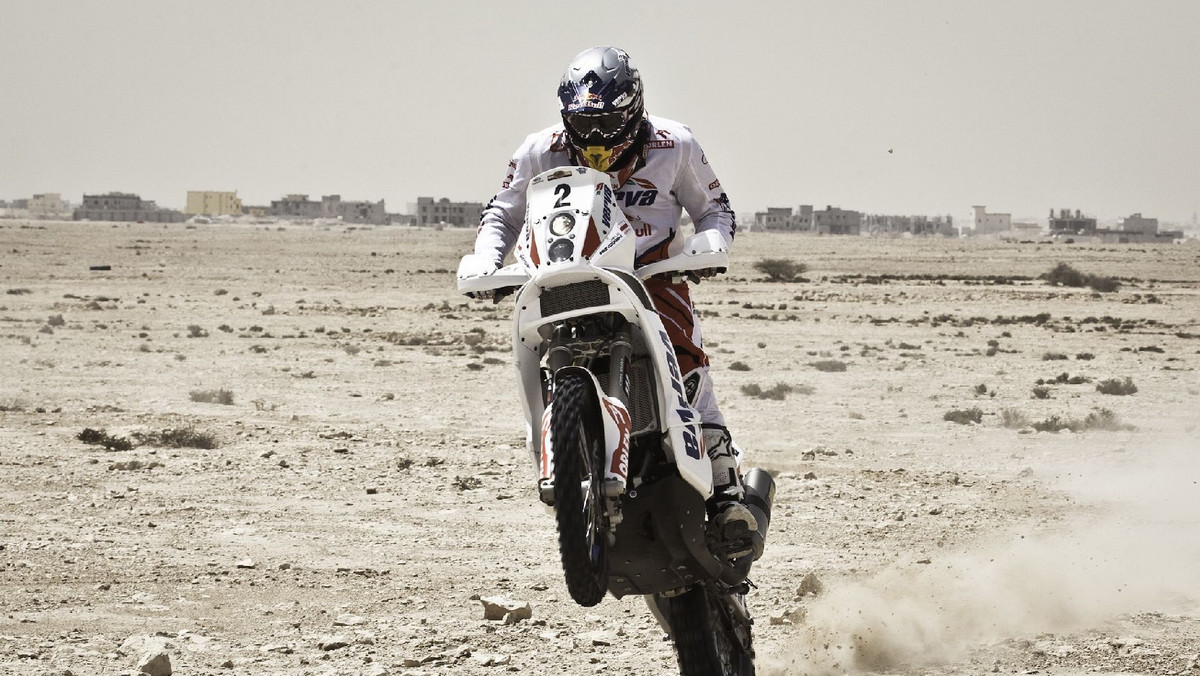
704,273
486,294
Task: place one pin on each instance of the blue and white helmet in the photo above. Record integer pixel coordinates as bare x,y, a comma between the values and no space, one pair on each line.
602,109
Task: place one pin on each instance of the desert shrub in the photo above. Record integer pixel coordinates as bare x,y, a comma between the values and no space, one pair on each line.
102,438
225,328
466,483
981,389
1013,418
18,292
1085,356
964,416
12,404
828,365
1104,419
404,462
1053,424
1103,284
778,392
739,366
1053,356
196,331
1063,274
212,397
56,320
182,437
220,292
1101,419
1117,386
351,349
781,269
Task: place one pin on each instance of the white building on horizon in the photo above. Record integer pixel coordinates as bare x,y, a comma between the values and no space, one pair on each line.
983,223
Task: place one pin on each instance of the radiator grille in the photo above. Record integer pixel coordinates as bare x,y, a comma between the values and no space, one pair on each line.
576,296
643,404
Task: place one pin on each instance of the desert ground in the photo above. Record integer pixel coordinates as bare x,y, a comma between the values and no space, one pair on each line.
325,469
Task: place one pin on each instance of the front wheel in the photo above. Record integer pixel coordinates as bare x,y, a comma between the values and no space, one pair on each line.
578,489
707,640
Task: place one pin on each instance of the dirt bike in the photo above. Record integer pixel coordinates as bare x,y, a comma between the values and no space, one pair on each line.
616,443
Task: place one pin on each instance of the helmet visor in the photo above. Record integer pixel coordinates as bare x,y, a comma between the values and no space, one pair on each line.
606,126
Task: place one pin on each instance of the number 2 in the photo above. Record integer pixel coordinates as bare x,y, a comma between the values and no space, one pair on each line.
566,192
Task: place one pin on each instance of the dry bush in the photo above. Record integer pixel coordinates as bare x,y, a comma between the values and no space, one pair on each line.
212,397
1012,418
964,416
12,405
196,331
829,365
781,269
1041,392
102,438
1063,274
1053,356
56,320
1117,386
739,366
182,437
1101,419
778,392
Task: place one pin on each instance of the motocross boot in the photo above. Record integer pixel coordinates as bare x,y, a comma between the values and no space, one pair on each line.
734,520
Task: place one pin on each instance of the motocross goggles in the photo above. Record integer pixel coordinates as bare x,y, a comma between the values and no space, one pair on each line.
594,126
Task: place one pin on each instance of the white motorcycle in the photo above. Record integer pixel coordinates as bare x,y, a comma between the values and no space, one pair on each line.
616,443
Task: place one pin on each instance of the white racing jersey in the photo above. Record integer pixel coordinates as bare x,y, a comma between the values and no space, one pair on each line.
671,176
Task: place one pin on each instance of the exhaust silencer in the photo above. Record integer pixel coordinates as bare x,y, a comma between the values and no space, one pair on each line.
760,493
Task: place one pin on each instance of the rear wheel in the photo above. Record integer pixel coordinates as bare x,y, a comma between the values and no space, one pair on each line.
706,641
578,489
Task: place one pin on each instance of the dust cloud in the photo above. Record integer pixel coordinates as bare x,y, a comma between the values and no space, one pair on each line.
1132,546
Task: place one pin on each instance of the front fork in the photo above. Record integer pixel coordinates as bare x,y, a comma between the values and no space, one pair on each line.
571,345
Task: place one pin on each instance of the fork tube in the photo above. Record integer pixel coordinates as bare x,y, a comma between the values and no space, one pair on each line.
618,364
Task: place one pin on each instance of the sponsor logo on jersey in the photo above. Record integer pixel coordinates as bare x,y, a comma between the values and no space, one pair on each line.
657,145
637,198
512,171
715,184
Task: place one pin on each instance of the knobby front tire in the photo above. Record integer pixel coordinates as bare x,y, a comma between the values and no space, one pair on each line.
578,489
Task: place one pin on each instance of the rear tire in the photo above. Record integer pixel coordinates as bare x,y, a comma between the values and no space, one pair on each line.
705,642
578,489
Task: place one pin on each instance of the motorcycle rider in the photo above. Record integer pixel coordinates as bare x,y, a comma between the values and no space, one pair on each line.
659,171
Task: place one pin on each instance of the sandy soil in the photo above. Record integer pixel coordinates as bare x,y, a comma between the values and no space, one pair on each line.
369,482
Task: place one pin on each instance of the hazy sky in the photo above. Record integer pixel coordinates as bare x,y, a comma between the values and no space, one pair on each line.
1019,106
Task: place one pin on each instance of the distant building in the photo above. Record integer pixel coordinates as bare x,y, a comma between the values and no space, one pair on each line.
1136,223
942,226
784,218
983,223
1066,223
836,221
295,206
120,206
355,211
331,206
213,203
48,205
433,212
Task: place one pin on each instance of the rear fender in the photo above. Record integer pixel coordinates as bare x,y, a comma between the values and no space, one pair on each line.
614,419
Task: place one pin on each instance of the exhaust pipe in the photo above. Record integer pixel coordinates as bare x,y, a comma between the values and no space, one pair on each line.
760,494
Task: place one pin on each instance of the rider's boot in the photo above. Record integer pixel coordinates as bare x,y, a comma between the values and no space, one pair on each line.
734,520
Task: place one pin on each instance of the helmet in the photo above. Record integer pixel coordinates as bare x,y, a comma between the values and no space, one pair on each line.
601,96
